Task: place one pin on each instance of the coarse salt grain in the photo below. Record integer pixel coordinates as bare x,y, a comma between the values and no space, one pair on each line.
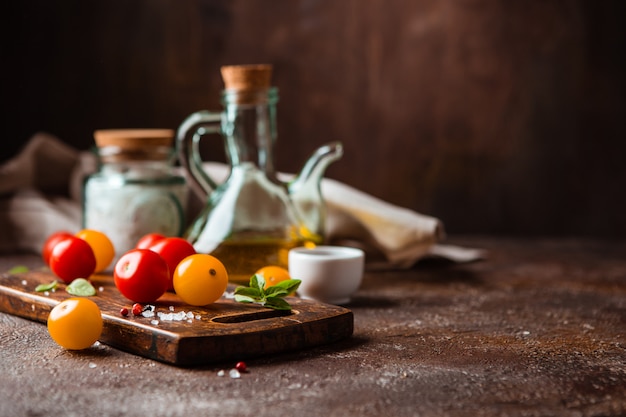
154,322
221,372
24,282
147,313
92,365
233,373
187,316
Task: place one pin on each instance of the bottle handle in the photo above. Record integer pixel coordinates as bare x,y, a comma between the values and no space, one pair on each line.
188,137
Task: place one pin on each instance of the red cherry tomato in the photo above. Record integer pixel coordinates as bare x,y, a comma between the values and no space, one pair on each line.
173,250
72,258
148,240
49,244
141,275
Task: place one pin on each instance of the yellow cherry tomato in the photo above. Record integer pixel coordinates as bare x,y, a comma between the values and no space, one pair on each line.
273,275
75,323
200,279
101,245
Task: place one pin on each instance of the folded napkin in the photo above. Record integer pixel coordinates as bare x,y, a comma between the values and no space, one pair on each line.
40,192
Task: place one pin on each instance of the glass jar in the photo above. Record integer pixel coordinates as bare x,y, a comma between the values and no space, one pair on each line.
135,191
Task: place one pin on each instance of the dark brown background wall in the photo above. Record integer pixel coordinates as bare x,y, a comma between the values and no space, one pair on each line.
497,116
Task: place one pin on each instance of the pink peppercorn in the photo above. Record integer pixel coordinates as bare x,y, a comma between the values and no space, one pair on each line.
241,367
137,309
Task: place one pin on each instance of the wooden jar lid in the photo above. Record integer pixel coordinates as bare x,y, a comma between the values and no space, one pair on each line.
130,139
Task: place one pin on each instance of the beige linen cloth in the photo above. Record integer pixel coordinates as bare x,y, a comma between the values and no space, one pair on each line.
40,192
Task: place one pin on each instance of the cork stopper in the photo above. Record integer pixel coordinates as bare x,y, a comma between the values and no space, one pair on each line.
247,77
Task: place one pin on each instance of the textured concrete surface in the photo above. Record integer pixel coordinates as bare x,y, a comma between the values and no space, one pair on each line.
536,329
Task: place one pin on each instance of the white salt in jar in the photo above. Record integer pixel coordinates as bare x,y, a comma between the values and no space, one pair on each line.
136,190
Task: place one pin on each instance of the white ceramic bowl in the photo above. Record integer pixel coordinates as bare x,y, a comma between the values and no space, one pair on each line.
330,274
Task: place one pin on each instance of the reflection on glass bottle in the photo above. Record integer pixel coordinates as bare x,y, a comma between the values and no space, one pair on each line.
252,219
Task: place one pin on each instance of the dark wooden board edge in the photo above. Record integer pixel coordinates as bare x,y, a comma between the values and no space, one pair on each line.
276,340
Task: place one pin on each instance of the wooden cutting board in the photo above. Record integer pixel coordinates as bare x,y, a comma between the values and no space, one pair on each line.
223,331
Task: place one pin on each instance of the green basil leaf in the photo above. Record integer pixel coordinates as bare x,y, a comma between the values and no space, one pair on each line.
271,297
289,285
248,291
258,282
244,299
47,287
275,291
277,303
81,287
18,269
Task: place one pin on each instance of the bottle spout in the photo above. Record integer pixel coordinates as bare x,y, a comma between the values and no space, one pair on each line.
305,191
313,170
